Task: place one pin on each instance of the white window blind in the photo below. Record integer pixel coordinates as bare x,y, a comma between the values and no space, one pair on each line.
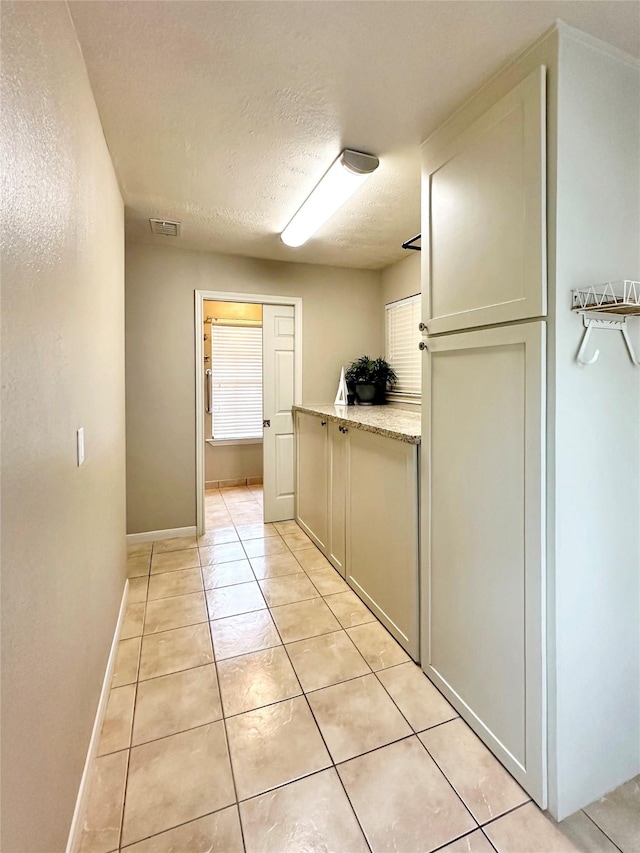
236,365
402,339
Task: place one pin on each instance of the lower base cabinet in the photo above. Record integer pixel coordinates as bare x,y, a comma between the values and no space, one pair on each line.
382,532
337,496
357,498
311,478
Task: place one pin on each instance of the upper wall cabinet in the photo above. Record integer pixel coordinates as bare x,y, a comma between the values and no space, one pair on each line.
483,218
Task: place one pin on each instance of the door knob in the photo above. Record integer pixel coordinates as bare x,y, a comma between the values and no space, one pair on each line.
422,345
266,424
422,327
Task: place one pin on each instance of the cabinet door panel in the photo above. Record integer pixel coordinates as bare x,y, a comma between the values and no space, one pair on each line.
311,477
483,577
337,497
484,196
382,531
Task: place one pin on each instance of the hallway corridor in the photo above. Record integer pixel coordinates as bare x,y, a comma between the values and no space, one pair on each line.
258,705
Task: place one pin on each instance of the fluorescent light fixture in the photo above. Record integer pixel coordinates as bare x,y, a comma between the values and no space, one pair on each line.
345,175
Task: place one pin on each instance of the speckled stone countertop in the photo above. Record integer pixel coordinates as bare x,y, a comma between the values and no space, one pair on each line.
383,420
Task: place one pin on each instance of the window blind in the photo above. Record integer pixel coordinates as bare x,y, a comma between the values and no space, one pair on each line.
402,339
236,365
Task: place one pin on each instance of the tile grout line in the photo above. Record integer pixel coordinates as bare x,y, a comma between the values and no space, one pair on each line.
597,825
226,733
126,776
326,746
489,841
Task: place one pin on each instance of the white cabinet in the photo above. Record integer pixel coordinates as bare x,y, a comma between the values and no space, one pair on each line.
483,216
382,531
357,498
337,546
312,477
483,584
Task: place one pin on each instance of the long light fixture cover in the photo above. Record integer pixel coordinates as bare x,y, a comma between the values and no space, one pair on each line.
348,172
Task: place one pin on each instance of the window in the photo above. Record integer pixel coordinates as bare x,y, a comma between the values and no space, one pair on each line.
402,339
236,364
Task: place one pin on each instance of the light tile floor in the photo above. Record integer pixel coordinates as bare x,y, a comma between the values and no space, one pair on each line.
258,705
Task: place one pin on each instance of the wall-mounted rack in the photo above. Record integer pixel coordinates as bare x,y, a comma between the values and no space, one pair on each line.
598,304
411,244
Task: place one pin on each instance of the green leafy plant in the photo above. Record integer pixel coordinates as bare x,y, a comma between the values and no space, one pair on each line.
360,371
382,374
371,371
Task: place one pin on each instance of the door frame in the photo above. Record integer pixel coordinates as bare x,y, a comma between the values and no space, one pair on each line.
230,296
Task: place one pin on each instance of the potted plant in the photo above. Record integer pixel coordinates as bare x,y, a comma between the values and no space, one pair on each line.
384,378
369,379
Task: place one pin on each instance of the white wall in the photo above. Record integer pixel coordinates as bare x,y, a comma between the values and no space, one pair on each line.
596,624
341,320
63,527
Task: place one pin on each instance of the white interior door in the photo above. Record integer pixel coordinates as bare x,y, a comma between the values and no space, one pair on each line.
483,539
278,388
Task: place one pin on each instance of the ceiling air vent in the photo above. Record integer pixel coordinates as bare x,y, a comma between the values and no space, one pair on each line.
165,227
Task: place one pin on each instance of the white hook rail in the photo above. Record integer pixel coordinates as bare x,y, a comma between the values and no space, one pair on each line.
607,306
617,324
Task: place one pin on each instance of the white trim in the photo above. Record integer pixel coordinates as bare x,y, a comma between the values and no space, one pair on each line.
229,296
75,831
221,442
411,399
156,535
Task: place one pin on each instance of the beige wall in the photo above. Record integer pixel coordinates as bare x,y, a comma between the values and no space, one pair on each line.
232,461
398,281
401,279
63,527
341,320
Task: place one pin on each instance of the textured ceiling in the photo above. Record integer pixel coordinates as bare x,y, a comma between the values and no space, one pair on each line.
224,115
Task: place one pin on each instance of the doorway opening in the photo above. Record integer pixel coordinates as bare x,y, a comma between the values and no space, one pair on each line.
232,337
248,377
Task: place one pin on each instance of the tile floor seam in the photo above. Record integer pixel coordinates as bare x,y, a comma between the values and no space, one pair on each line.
451,785
333,765
510,811
326,746
126,775
176,826
597,825
490,842
227,735
375,672
173,671
178,732
233,772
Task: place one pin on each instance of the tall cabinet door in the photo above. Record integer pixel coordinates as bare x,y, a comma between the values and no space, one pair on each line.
311,477
483,536
483,218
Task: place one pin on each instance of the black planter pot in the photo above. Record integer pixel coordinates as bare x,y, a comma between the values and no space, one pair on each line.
366,393
381,395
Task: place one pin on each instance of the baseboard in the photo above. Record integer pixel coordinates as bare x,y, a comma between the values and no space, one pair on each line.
155,535
228,484
75,832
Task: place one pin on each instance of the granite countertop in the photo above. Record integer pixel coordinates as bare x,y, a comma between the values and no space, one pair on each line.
383,420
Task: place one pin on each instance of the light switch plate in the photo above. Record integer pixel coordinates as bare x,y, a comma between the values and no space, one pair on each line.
80,436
